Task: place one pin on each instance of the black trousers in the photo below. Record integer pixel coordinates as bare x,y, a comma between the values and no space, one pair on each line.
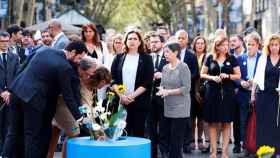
4,123
188,126
136,116
236,125
172,135
29,133
154,123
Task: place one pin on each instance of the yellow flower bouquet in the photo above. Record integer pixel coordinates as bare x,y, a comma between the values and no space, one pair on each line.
105,121
265,152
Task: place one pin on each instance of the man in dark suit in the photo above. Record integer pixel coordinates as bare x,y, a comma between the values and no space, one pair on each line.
237,50
8,67
15,32
48,74
27,45
60,40
156,111
189,58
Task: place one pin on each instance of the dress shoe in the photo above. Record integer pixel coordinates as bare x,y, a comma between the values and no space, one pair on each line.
236,149
187,150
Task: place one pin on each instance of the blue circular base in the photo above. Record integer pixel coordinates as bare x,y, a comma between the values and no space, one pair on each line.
125,147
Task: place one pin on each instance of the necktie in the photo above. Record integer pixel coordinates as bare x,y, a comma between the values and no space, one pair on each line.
4,58
157,62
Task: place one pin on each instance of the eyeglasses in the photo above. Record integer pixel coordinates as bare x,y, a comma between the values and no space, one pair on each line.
4,40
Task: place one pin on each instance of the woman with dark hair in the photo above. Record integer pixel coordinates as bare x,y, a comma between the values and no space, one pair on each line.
199,47
220,70
96,48
175,89
134,69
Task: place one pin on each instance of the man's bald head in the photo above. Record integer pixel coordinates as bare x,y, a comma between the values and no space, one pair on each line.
182,37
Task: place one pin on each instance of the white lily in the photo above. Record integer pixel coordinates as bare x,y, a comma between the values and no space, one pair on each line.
96,127
103,116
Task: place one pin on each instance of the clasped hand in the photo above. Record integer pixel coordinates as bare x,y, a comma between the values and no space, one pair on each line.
6,97
221,77
162,92
126,99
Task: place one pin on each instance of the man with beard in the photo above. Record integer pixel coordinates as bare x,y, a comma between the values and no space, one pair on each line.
236,45
35,91
156,111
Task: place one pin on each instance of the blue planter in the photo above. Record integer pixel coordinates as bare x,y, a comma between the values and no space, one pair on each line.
124,147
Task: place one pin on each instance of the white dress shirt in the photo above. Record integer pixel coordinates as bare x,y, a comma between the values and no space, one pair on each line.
182,54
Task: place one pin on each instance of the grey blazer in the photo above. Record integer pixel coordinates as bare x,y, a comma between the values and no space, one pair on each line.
177,106
61,42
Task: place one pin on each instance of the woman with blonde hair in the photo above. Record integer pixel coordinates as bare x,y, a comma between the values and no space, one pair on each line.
118,44
265,94
220,70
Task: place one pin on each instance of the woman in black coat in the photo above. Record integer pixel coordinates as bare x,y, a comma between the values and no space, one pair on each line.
134,69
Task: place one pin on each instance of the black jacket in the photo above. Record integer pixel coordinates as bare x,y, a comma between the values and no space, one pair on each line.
47,74
144,75
7,76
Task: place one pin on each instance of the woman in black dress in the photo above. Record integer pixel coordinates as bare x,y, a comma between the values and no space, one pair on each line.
219,69
199,47
267,95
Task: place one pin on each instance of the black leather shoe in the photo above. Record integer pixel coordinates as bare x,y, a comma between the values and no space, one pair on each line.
206,150
187,150
236,149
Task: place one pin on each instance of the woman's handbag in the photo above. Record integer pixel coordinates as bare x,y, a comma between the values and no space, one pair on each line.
250,135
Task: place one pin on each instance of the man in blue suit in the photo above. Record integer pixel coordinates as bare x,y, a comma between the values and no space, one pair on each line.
35,90
60,40
248,63
9,63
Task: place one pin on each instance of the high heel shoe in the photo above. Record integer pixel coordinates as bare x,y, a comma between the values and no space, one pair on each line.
225,156
213,156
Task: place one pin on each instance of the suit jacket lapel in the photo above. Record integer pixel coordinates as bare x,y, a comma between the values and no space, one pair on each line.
120,66
162,62
139,69
245,66
258,57
56,41
9,61
186,56
1,62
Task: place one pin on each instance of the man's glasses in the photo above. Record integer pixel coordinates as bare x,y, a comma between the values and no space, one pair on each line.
4,40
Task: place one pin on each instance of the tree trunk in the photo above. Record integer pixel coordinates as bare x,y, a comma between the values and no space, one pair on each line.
47,12
194,18
274,12
253,12
29,18
226,14
18,11
210,17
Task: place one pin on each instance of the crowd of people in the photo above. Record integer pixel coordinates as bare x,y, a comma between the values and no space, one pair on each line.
182,95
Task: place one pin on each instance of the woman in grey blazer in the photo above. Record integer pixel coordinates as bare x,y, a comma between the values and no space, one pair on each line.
175,88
